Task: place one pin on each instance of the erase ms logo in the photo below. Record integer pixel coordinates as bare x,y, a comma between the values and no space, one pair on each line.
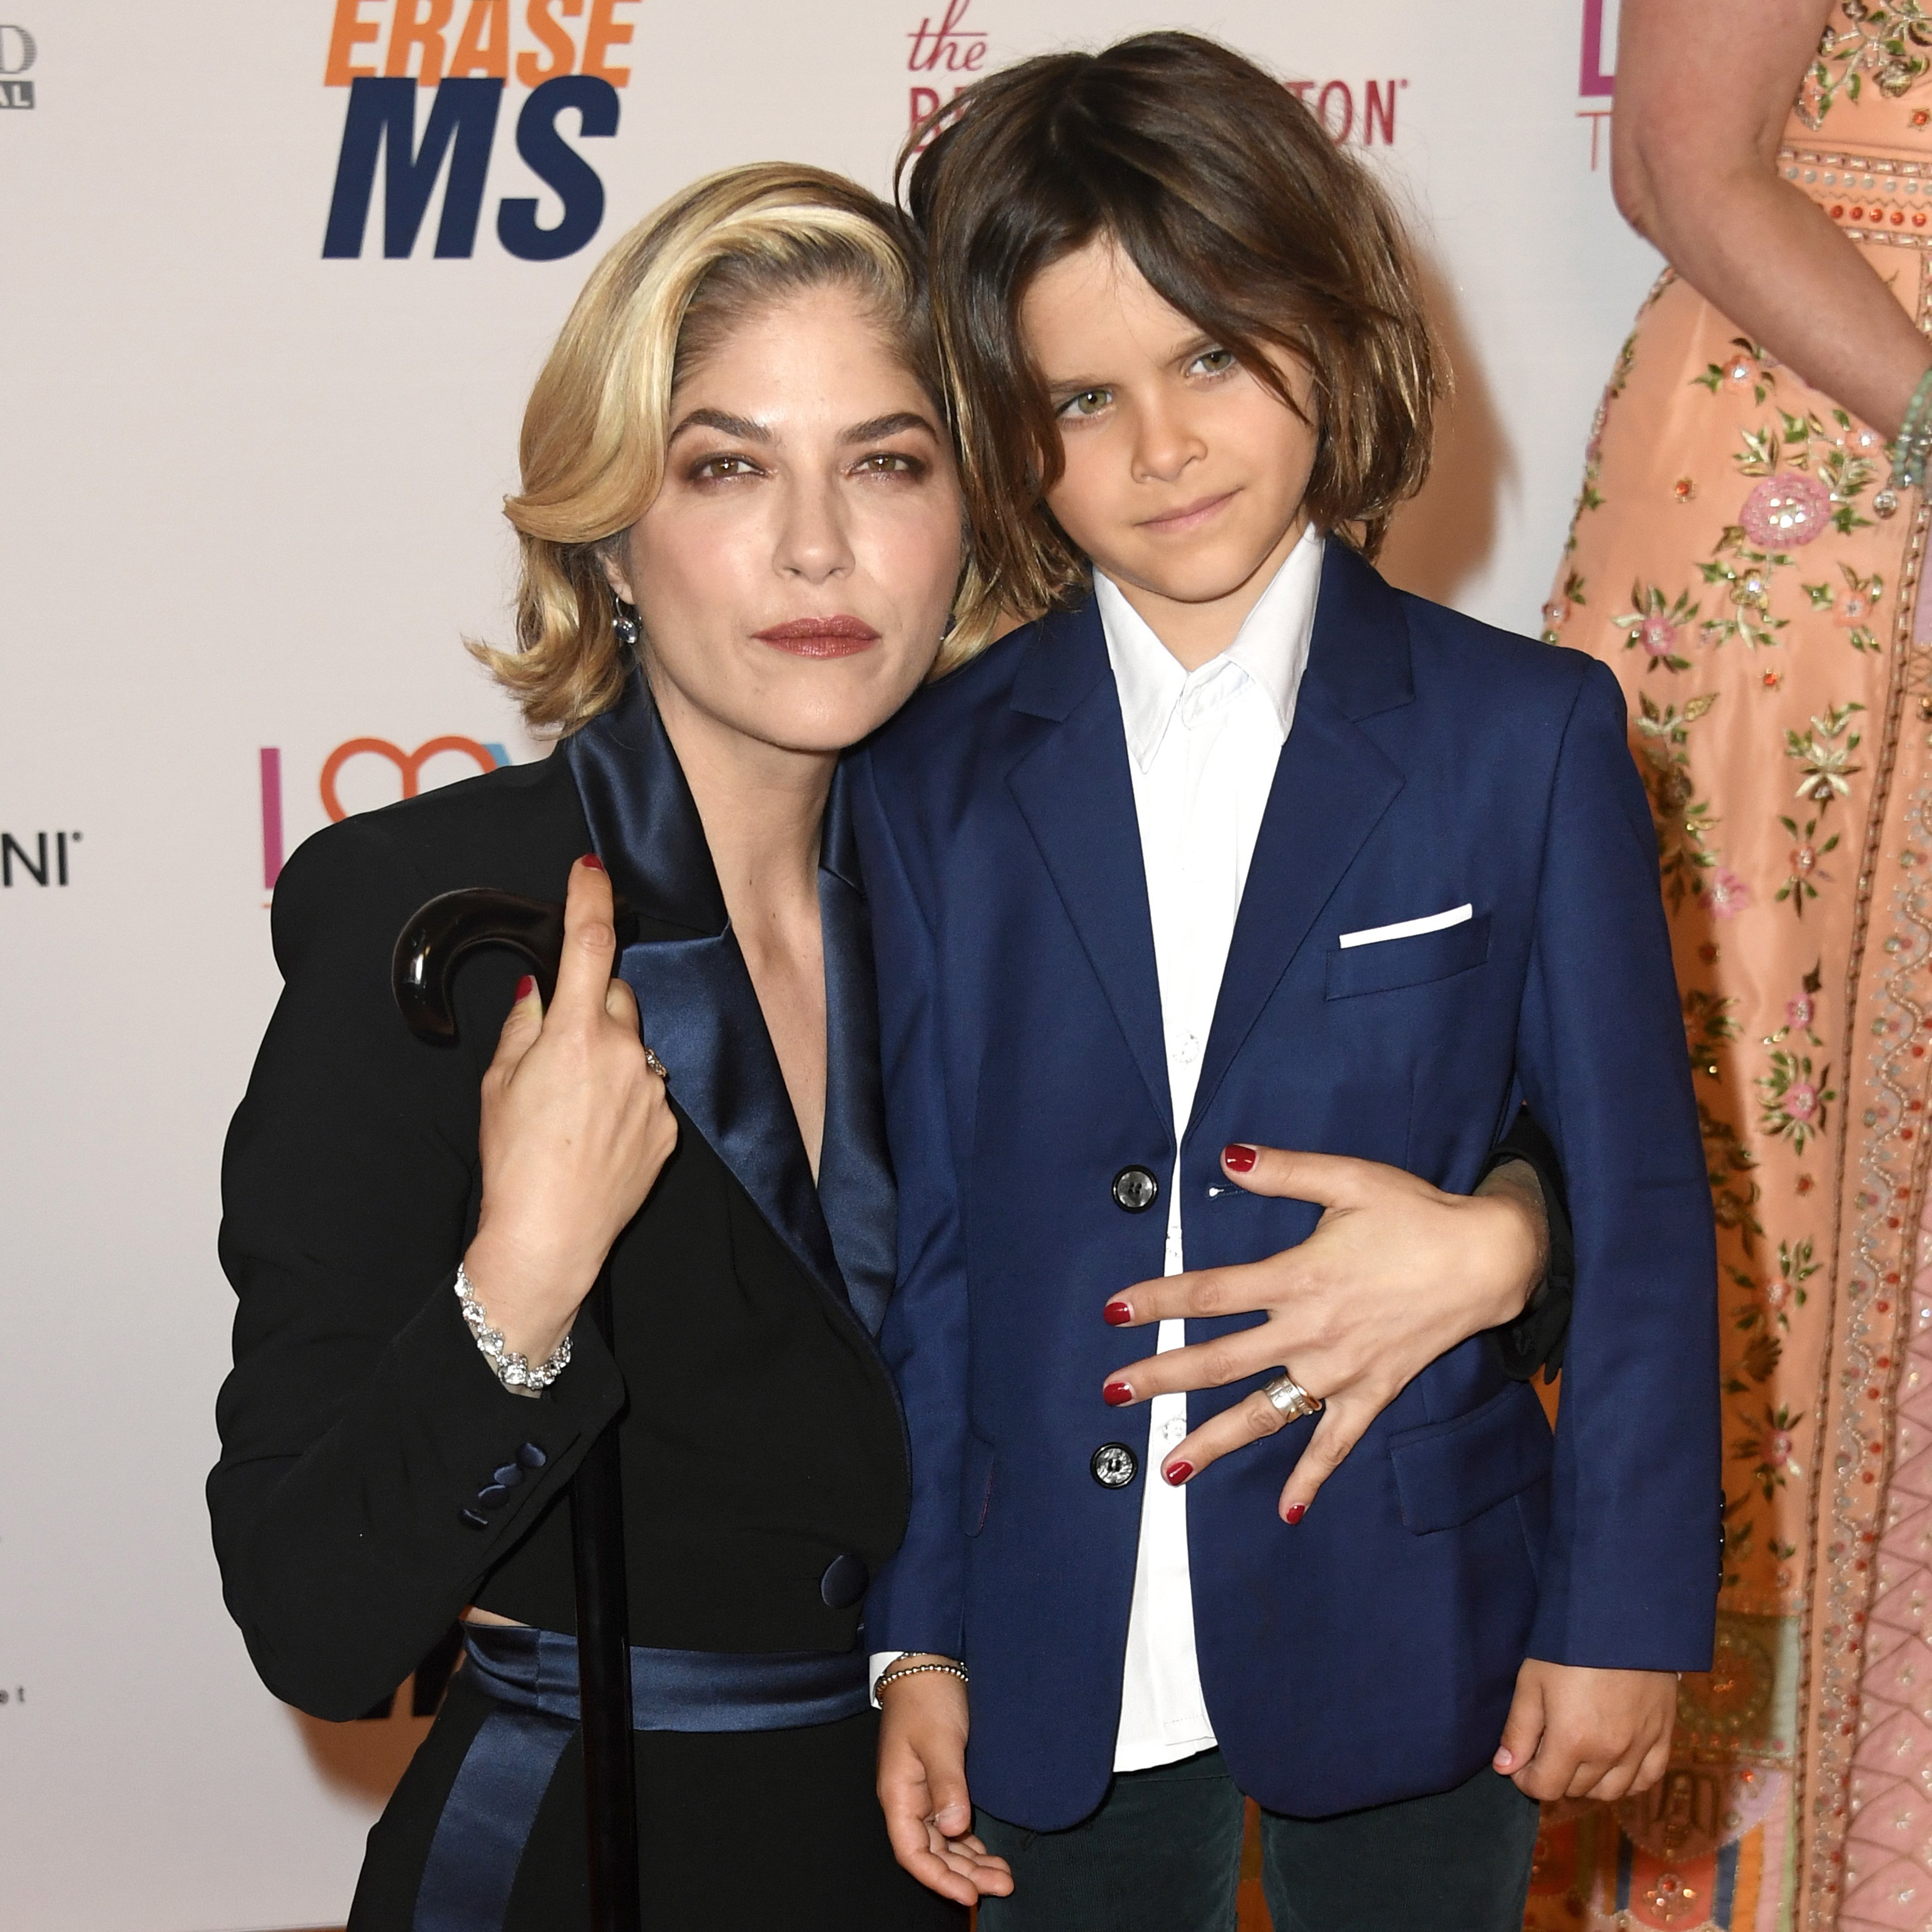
426,80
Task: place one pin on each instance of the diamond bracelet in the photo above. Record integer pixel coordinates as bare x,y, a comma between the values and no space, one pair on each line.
512,1370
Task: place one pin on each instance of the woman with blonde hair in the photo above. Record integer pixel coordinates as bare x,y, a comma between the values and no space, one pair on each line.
737,467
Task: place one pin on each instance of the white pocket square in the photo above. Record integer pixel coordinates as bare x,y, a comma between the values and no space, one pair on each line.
1408,928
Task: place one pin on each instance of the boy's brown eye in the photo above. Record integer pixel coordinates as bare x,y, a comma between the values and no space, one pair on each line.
1088,403
1215,362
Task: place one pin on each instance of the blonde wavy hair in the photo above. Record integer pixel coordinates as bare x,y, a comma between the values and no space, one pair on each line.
594,435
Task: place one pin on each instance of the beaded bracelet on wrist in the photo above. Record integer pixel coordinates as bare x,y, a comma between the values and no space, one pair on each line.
1911,449
893,1674
512,1370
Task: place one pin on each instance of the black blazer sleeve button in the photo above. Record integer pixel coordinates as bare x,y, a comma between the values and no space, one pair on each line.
845,1581
508,1477
476,1518
492,1496
531,1456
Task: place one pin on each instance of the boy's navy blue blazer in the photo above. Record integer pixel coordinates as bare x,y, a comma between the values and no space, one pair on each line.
1368,1654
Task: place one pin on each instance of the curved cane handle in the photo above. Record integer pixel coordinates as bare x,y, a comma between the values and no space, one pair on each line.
422,971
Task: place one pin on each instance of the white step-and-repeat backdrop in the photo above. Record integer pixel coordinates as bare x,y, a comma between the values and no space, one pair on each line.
259,388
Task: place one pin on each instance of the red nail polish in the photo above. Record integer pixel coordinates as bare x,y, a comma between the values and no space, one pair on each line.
1117,1314
1115,1394
1294,1513
1237,1158
591,859
526,986
1178,1473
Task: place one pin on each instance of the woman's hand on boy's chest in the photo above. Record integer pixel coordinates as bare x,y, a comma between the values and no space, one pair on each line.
1342,1315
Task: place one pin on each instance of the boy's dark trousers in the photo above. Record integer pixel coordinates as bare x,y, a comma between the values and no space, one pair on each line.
1163,1854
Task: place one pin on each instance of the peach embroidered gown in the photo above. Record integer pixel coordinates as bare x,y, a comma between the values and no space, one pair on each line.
1737,558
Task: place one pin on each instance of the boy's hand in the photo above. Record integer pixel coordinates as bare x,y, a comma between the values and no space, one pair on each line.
1396,1273
1573,1732
923,1789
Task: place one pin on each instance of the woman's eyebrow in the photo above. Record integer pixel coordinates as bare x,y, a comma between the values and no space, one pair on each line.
742,427
896,425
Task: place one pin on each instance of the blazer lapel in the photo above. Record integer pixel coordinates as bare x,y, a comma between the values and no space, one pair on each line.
1331,787
856,1188
1076,793
695,1000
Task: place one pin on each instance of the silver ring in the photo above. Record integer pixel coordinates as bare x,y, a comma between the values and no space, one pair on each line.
652,1064
1291,1398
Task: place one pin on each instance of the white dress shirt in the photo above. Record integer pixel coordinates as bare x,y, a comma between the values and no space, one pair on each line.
1203,747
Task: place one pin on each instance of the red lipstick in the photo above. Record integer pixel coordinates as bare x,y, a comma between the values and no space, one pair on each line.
820,637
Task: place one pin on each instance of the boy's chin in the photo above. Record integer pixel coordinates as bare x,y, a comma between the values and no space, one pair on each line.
1205,579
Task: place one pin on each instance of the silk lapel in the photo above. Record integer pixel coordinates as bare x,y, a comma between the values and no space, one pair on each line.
1077,795
856,1188
1331,787
695,997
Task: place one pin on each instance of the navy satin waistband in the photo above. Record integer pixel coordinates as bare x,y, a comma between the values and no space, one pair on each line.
674,1690
531,1676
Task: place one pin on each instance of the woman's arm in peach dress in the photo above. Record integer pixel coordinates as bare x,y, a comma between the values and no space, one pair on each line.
1705,89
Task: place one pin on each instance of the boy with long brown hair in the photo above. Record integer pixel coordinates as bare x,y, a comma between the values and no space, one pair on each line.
1234,849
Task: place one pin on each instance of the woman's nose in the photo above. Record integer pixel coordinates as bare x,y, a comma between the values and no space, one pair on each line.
813,542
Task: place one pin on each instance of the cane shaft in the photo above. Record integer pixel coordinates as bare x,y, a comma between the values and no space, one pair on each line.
603,1669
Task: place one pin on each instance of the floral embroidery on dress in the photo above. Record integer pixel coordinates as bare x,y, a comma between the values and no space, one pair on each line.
1809,480
1800,883
1654,624
1753,367
1887,40
1786,510
1709,1026
1851,605
1728,1163
1770,1450
1556,612
1796,1102
1684,822
1824,756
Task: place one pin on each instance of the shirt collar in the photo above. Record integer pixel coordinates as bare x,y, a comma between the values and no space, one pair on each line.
1270,651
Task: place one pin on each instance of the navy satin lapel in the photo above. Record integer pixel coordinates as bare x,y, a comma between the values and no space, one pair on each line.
1077,795
1331,787
856,1191
695,1000
643,821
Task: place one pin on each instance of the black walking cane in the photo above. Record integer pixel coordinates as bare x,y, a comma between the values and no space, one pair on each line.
422,971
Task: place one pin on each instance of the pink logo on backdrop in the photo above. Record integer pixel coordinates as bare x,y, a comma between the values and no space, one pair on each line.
952,49
1597,79
486,757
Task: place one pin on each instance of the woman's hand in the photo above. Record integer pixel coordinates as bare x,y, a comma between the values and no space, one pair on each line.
1396,1273
922,1789
575,1131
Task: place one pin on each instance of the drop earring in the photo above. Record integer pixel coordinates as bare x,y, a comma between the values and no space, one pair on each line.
624,623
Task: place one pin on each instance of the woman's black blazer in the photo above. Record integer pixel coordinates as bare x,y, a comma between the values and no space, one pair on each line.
375,1477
